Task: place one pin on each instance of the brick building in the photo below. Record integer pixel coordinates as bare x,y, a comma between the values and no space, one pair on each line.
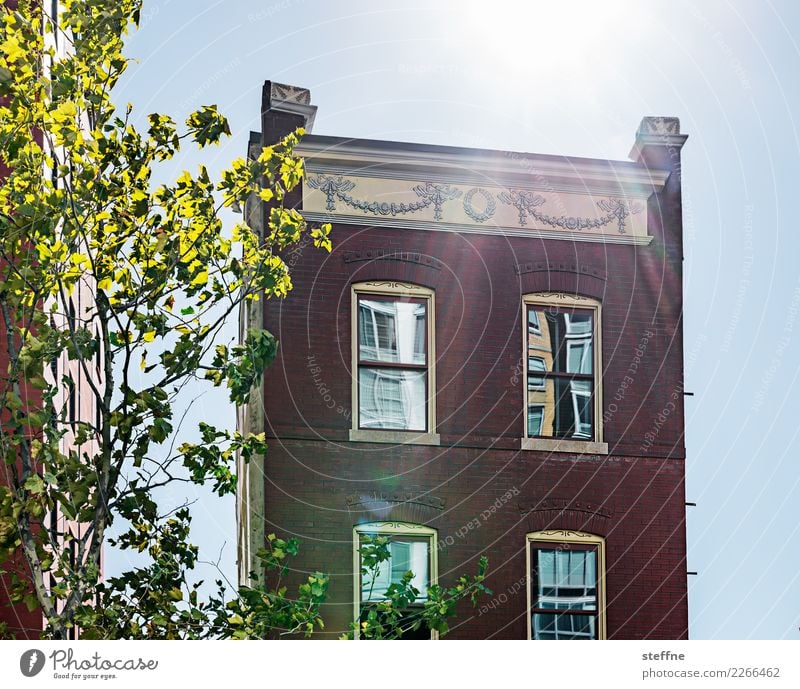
490,361
78,402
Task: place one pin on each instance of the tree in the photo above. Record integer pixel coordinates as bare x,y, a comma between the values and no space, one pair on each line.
399,611
157,277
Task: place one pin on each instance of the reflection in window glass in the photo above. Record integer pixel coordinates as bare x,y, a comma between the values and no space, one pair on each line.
392,398
392,363
535,418
533,322
410,551
561,372
389,331
564,592
536,364
407,556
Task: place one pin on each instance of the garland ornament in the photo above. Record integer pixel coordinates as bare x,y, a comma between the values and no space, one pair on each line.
438,194
526,203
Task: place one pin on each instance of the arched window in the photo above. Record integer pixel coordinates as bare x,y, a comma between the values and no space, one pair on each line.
563,363
566,585
393,363
411,548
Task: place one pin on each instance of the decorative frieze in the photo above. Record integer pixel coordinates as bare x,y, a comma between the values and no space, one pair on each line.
554,213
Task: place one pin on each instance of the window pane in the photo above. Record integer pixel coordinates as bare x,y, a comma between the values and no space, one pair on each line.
392,398
564,579
567,409
579,356
533,322
536,364
568,340
548,626
535,418
392,331
406,556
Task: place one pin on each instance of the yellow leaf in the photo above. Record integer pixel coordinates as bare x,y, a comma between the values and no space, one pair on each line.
149,336
12,49
104,284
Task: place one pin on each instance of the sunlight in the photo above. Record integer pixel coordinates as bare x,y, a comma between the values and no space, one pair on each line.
551,40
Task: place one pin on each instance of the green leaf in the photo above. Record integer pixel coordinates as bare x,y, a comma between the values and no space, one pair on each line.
34,484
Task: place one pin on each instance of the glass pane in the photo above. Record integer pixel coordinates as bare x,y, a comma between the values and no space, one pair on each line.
392,398
535,418
406,556
567,409
566,340
547,626
535,365
533,322
392,331
565,579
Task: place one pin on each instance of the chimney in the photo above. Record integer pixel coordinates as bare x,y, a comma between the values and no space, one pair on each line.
658,143
284,108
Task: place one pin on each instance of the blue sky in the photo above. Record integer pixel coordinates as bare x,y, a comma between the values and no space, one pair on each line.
572,79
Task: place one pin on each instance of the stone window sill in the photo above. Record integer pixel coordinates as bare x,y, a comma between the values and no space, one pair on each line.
394,437
585,447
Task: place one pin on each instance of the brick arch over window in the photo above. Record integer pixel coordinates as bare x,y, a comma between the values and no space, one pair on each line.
570,519
586,284
430,274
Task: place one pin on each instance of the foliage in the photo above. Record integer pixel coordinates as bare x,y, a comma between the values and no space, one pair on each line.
119,286
159,602
400,612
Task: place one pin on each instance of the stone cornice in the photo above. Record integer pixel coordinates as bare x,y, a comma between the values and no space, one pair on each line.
382,159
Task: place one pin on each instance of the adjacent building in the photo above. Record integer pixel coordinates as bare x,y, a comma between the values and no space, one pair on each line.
490,361
77,400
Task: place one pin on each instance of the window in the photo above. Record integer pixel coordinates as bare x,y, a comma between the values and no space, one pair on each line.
566,586
392,359
536,365
412,550
535,418
563,360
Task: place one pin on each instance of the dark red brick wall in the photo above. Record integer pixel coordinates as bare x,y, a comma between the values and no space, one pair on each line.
636,503
21,623
478,332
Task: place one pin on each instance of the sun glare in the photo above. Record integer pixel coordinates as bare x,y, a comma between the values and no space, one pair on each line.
549,39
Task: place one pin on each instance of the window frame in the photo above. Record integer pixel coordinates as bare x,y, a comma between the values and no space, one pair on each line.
584,541
390,291
595,443
392,529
